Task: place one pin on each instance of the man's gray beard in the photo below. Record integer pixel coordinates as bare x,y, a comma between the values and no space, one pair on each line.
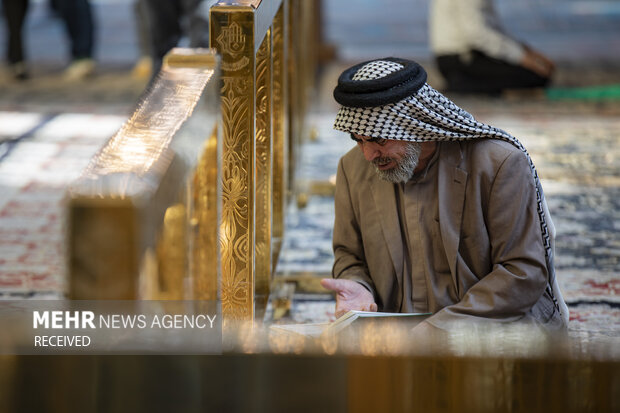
403,171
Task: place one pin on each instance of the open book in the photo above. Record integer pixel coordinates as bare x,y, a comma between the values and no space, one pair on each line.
317,329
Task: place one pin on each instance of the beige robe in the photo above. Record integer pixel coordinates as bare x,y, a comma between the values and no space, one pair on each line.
488,224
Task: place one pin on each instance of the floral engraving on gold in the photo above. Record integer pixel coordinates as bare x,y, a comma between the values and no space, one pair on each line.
235,231
279,125
263,166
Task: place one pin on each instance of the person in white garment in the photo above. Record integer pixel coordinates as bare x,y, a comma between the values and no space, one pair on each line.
475,54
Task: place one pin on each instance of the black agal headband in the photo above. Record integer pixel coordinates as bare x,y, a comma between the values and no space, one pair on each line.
380,87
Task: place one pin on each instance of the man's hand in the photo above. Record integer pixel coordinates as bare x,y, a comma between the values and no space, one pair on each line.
350,295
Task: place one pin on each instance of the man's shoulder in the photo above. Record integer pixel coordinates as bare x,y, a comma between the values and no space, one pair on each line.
487,157
498,146
495,151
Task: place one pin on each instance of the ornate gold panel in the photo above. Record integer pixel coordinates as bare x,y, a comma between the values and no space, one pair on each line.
264,170
280,143
232,33
264,92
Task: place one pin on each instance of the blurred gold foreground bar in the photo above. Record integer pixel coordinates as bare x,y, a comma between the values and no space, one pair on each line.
144,216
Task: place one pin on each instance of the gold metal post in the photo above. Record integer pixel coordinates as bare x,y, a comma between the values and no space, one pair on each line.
264,167
265,88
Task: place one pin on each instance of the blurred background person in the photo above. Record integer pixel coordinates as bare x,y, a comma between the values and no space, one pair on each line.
14,12
77,16
143,67
171,20
474,54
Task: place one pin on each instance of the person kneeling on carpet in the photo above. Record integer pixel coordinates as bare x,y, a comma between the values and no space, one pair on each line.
435,211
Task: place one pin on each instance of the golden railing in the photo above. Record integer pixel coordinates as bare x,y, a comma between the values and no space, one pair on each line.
167,208
143,218
267,67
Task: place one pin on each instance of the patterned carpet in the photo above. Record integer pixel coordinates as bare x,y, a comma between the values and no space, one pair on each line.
37,162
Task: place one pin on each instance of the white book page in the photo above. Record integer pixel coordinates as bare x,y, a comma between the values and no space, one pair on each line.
317,329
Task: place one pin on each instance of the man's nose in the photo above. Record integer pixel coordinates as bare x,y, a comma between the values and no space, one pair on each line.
371,151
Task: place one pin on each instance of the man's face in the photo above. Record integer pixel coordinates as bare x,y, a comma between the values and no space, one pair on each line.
393,160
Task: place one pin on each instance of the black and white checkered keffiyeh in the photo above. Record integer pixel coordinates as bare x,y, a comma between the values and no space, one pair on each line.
425,115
